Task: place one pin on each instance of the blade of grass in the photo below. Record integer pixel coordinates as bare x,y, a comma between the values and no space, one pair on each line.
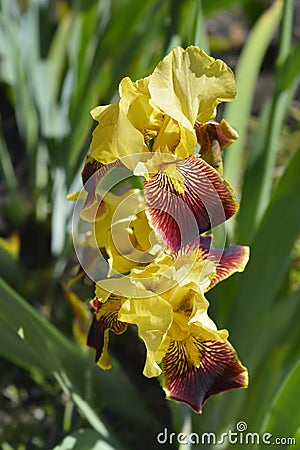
85,439
91,389
258,178
7,167
210,7
269,358
247,71
281,316
284,416
281,100
198,33
18,31
270,257
289,69
57,54
16,349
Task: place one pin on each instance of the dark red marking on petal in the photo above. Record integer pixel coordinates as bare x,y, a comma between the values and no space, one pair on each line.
219,370
94,171
90,167
206,202
95,338
207,137
203,242
228,260
214,137
96,303
106,318
92,174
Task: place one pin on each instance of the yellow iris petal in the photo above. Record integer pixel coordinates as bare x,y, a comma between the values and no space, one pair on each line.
153,317
103,147
188,85
158,113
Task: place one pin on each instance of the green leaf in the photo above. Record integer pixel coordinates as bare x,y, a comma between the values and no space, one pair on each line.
264,143
258,178
19,32
210,7
270,257
91,389
16,349
283,419
289,69
263,384
281,316
85,439
57,53
238,112
6,167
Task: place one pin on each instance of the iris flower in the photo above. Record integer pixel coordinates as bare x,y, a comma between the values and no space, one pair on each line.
160,261
165,300
155,129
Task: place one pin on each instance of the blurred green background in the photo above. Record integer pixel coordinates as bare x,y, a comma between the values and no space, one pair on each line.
59,59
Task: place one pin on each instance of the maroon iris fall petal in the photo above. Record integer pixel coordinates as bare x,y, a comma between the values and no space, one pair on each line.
105,318
219,370
227,261
206,201
92,175
92,167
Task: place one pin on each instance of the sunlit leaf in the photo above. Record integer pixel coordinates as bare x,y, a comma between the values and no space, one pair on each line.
270,256
91,389
85,440
247,71
284,416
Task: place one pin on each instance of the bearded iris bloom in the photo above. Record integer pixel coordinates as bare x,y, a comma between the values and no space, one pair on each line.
166,302
160,261
154,130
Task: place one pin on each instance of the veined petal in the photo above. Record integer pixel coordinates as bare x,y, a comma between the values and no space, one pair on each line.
213,131
188,85
182,208
105,319
227,261
195,369
93,207
214,137
92,174
97,170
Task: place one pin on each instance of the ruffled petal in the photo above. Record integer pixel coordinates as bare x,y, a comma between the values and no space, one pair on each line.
188,85
115,136
105,319
136,105
153,317
227,261
184,206
103,146
196,369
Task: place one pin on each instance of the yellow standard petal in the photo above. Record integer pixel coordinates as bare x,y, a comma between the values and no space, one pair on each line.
153,317
103,146
188,85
